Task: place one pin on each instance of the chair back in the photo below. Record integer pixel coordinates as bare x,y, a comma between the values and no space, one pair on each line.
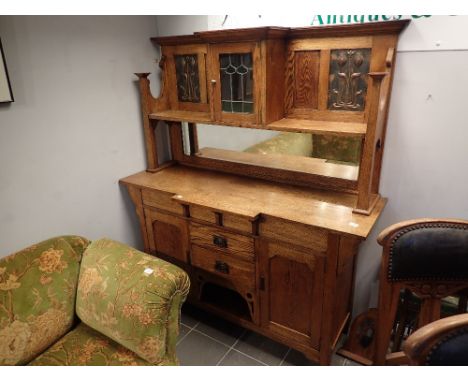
428,251
428,258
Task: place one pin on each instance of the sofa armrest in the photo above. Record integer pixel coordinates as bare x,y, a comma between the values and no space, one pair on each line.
132,298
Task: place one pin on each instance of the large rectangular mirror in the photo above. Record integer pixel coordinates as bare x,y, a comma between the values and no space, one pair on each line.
319,154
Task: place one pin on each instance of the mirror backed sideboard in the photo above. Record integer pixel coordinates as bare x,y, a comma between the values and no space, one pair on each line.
275,138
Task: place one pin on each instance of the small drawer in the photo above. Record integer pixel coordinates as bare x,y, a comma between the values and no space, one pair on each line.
294,233
219,239
239,272
162,200
202,213
237,222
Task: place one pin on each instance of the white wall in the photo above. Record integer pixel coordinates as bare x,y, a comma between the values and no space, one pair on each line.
75,127
425,167
179,25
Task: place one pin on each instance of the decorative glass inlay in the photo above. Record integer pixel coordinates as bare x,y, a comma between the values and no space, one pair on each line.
236,73
348,79
188,83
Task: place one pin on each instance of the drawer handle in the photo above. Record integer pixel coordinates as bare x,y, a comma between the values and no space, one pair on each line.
222,267
220,241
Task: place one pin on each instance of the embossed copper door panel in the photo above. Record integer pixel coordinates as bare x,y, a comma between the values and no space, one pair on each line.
348,79
187,77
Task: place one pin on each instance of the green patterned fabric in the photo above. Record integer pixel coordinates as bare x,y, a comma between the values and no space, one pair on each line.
132,298
37,297
339,149
346,150
84,346
285,143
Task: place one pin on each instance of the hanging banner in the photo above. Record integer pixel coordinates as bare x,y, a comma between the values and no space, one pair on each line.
425,32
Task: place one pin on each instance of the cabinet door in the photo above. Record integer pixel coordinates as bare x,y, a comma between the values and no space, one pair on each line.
167,234
187,77
235,82
291,292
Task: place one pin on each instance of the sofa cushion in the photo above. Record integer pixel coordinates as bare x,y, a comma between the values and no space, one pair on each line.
37,297
130,297
84,346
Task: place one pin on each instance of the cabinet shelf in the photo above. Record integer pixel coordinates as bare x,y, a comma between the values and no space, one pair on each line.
181,116
293,125
314,126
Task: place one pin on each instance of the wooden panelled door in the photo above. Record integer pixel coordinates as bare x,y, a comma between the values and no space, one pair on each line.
234,78
291,289
167,234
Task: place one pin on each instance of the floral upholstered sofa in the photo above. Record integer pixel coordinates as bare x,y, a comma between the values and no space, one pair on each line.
69,301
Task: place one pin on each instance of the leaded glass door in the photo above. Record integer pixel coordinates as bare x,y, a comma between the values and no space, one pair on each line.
235,83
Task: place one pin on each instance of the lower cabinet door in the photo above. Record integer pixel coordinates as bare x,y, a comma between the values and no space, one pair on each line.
167,234
291,292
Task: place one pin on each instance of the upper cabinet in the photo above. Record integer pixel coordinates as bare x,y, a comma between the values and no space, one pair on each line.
324,90
266,77
223,77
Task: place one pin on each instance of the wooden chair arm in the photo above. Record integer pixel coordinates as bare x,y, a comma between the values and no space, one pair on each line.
420,343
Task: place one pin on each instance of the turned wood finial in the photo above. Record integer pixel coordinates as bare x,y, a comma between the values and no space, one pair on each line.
142,75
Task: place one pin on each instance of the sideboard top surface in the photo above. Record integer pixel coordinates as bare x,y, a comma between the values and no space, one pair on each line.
251,197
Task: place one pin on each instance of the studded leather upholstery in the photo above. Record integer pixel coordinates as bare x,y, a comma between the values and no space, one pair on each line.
431,251
451,351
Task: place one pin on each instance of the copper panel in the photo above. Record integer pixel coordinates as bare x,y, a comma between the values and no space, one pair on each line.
188,82
348,79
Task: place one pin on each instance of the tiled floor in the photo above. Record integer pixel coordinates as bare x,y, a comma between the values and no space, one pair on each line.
206,340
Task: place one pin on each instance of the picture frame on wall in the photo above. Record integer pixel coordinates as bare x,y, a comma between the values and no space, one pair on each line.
6,94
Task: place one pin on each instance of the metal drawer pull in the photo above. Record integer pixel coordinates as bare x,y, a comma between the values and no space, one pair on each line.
220,241
222,267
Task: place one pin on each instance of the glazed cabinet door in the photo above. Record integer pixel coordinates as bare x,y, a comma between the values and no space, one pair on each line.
167,234
291,289
186,77
235,84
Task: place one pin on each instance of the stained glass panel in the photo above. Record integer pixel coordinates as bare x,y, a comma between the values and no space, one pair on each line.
236,74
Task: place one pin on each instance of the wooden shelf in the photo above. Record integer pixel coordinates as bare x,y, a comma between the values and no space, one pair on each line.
182,116
293,125
316,166
314,126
